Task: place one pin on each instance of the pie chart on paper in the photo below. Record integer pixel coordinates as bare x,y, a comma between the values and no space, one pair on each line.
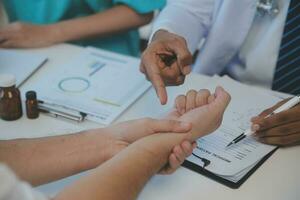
74,85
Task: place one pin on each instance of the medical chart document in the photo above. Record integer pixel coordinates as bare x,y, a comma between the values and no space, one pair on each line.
97,83
233,162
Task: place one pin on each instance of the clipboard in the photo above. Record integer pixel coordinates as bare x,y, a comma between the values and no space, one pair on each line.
196,168
91,87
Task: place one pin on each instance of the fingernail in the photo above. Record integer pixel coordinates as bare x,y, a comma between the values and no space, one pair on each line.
185,124
254,118
220,87
186,70
255,127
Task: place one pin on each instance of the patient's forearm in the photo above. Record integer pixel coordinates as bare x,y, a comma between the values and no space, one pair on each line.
43,160
124,176
117,19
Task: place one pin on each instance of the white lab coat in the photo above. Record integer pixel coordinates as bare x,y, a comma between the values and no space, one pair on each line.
235,38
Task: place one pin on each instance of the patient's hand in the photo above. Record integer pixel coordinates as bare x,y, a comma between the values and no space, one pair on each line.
203,109
24,35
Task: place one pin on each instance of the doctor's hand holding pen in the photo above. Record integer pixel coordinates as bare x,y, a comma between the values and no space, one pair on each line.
281,129
166,62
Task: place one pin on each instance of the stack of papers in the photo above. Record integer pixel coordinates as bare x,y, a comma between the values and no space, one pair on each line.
234,162
96,84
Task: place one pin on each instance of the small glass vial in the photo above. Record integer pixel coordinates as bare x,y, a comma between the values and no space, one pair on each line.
10,98
32,110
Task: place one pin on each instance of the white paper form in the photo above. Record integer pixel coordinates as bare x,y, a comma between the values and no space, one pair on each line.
99,83
246,103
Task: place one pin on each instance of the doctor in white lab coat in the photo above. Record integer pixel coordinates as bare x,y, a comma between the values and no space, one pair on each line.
234,37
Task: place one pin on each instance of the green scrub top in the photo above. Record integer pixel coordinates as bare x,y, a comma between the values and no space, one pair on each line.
52,11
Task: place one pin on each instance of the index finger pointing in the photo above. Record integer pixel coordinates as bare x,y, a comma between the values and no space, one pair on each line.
154,75
159,87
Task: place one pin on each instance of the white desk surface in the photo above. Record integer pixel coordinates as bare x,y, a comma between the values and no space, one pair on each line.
278,178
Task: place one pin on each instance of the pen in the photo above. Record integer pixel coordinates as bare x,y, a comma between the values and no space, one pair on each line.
289,104
61,115
55,113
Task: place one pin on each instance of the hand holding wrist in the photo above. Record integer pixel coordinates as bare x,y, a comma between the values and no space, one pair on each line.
159,147
125,134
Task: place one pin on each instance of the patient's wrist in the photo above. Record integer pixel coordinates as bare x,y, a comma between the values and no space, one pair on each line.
52,34
160,145
102,145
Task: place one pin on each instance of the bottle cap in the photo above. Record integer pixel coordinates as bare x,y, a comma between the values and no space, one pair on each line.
7,80
31,95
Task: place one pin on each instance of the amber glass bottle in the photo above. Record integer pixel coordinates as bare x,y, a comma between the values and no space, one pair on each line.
32,110
10,98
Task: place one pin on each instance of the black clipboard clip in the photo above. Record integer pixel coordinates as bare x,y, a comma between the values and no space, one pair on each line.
205,161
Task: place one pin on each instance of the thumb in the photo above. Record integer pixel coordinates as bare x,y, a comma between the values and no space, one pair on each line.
221,100
174,126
